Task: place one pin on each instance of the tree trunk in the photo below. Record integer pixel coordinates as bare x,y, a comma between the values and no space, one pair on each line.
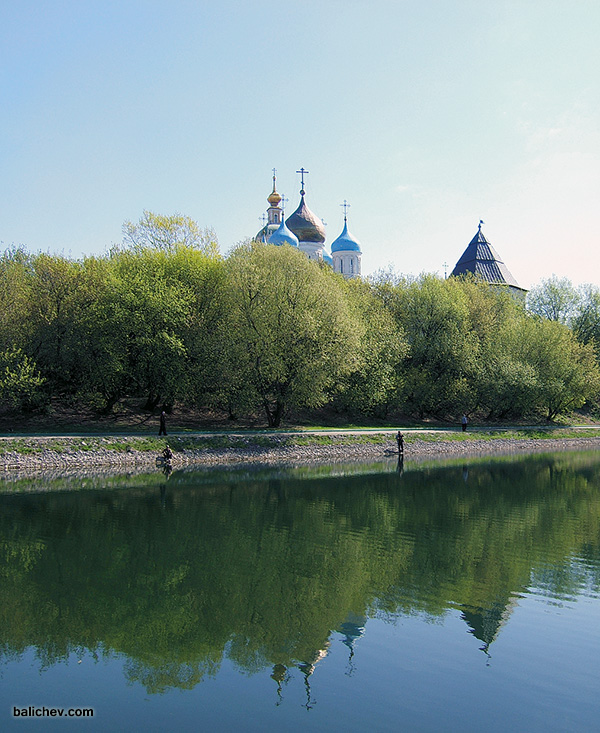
152,402
278,414
274,415
109,403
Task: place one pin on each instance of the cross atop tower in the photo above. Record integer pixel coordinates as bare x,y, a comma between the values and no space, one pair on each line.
284,201
302,172
345,206
274,174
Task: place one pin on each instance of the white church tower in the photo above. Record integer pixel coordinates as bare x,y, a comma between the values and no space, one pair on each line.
345,251
274,213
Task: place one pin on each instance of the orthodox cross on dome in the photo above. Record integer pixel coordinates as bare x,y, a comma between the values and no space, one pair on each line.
284,201
302,172
445,266
345,206
274,177
263,218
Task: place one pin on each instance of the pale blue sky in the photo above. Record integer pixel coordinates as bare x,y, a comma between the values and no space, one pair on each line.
425,115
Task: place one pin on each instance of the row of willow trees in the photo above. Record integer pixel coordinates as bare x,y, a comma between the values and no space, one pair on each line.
166,319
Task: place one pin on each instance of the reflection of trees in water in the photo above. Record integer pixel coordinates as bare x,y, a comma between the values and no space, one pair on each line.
262,571
163,674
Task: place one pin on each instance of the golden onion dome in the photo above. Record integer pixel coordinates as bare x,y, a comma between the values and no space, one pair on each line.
274,198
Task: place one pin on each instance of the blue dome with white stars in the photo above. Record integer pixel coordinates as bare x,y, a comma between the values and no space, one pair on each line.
346,242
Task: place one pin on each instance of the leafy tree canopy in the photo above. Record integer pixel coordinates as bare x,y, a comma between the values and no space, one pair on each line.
555,299
167,232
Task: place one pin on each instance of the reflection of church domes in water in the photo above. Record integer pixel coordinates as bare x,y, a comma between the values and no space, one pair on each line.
352,629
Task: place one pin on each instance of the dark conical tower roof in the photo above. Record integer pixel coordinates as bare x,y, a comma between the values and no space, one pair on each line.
481,259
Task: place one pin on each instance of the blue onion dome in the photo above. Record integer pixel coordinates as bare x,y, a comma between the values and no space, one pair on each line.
346,242
327,258
282,235
306,225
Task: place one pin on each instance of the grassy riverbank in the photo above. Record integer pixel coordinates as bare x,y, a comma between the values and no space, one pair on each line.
39,452
181,442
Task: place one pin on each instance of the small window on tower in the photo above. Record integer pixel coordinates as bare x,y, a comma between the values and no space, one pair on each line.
341,265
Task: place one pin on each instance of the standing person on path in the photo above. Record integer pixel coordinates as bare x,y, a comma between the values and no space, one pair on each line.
163,423
400,441
464,423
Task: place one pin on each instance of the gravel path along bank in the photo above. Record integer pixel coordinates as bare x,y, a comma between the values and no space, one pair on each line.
37,454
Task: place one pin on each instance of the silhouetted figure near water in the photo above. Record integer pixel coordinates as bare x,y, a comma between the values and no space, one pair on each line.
400,467
464,423
400,441
167,457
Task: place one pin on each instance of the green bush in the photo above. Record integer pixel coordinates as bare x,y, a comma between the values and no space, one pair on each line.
21,386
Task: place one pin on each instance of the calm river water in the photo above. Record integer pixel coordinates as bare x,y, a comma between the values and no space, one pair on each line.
456,597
